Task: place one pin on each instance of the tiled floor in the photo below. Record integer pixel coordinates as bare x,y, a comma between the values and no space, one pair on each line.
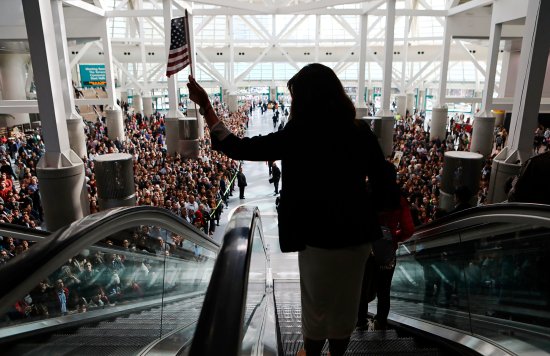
259,192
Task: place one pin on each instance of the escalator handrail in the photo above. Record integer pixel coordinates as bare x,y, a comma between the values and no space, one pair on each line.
26,271
493,213
220,326
23,232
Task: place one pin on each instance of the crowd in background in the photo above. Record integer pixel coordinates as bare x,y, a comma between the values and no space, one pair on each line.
195,189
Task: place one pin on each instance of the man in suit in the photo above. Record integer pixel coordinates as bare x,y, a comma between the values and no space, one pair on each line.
241,182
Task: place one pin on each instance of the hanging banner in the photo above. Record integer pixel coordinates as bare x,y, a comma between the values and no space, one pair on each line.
93,75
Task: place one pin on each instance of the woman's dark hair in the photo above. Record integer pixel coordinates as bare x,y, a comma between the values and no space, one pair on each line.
317,92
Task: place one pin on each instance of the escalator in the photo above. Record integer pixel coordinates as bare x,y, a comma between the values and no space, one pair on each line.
471,283
131,277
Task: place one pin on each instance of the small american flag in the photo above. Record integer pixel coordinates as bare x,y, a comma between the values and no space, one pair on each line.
179,55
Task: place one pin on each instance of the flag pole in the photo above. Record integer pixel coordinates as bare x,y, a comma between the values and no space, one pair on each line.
191,55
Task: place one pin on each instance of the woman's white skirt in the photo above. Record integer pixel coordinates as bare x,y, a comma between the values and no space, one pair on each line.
330,282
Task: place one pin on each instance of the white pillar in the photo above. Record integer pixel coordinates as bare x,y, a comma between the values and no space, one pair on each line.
410,103
504,167
173,116
530,79
77,137
438,124
60,171
75,124
482,135
115,180
421,100
477,106
147,106
499,117
360,102
489,86
388,60
13,75
444,67
137,102
460,169
383,128
273,93
401,101
188,144
124,96
232,103
115,124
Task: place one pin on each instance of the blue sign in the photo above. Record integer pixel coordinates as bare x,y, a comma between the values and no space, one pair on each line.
93,75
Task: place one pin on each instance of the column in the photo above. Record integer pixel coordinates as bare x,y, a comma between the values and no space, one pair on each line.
410,103
499,117
138,104
489,86
124,96
444,67
528,92
438,124
421,100
530,78
147,106
477,106
383,128
173,116
388,60
188,144
232,102
13,74
503,168
115,124
482,135
115,180
361,109
77,137
460,169
273,93
401,101
60,171
75,123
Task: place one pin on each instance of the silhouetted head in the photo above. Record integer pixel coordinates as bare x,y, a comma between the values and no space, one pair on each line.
317,92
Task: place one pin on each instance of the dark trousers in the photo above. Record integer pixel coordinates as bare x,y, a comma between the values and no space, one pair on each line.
276,184
383,285
241,192
376,283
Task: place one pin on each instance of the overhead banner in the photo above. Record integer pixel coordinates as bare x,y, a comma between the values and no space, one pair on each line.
93,75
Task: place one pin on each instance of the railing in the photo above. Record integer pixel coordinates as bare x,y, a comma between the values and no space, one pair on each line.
235,318
111,263
482,272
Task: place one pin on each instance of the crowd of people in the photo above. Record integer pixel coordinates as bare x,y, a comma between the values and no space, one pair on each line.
197,190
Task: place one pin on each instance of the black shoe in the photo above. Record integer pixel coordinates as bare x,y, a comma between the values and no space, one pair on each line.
241,197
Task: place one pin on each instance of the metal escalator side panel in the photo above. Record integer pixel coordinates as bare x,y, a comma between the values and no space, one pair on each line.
478,272
180,268
233,318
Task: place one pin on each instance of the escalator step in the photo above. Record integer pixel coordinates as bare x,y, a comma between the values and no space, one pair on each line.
374,335
404,348
99,340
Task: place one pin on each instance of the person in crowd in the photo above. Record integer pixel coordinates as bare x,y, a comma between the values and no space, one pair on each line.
462,196
276,177
330,250
397,226
241,182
